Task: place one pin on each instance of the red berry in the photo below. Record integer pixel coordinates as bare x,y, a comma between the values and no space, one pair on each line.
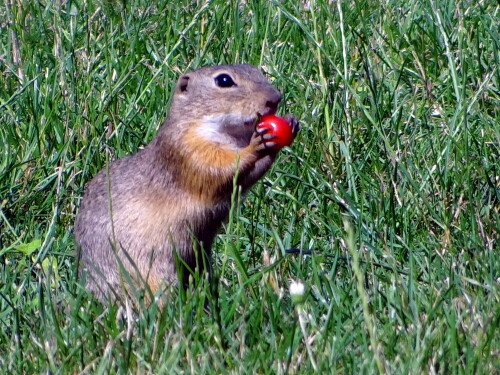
280,128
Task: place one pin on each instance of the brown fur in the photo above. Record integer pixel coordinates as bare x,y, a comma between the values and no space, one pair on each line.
171,197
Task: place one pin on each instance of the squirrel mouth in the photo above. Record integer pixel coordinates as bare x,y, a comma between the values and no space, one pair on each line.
255,120
252,123
270,111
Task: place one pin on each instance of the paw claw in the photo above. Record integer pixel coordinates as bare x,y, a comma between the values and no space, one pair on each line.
268,136
294,123
261,131
262,140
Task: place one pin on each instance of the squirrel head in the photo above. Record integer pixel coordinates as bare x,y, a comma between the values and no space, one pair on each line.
225,101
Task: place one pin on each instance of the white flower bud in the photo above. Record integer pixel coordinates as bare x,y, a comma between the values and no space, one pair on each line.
297,292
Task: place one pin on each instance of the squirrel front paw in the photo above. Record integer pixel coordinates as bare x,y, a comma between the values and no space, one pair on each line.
262,140
294,123
270,136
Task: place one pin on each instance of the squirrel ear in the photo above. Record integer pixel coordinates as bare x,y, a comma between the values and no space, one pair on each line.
182,83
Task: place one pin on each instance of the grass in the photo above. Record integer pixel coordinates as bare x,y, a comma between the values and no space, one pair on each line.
393,185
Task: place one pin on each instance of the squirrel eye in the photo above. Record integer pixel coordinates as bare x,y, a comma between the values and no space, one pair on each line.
224,80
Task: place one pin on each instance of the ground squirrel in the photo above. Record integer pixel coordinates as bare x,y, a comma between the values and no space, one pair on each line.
172,196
